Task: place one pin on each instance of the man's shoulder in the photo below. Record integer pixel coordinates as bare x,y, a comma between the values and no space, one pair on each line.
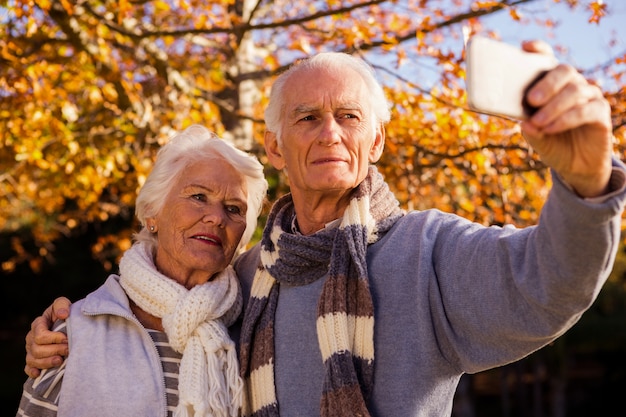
246,265
249,255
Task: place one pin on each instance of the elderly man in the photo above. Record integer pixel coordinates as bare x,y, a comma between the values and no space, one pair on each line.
359,308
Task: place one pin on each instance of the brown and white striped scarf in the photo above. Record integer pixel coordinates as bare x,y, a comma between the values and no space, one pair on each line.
345,312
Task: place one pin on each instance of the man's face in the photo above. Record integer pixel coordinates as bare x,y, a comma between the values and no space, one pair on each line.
329,135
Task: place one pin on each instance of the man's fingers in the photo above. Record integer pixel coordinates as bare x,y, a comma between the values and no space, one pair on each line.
51,360
60,309
44,348
537,46
44,356
554,82
566,100
41,335
591,112
31,372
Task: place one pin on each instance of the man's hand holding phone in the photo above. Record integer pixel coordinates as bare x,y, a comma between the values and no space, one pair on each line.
570,121
499,75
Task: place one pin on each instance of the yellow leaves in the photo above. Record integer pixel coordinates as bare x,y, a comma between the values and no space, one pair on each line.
396,24
85,111
304,45
68,6
514,13
161,6
31,27
21,255
95,95
110,244
110,94
69,167
125,6
69,111
465,204
201,21
598,10
20,11
86,177
21,86
486,4
457,161
72,84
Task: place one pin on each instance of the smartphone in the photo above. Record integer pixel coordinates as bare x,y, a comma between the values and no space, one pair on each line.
498,75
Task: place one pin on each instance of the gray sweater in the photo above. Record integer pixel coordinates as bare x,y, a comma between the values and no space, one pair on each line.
453,297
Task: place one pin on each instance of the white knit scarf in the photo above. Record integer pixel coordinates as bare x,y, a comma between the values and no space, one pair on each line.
195,322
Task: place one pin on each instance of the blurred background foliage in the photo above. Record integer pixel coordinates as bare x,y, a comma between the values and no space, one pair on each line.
89,90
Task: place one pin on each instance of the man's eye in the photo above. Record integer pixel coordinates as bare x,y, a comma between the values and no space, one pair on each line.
307,118
348,116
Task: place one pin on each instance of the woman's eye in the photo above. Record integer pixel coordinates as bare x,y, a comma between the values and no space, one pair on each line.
199,197
234,209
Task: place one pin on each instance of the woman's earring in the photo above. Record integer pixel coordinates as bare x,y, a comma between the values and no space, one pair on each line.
152,228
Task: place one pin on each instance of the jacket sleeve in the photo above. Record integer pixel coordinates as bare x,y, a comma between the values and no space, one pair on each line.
504,292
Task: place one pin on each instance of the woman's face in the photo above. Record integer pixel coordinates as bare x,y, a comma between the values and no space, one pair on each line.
201,223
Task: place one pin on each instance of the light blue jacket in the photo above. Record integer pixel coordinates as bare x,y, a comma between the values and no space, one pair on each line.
114,368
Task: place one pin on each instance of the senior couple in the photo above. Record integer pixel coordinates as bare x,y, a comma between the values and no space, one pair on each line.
351,306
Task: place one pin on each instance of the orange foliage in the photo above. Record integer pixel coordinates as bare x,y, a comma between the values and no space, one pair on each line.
89,90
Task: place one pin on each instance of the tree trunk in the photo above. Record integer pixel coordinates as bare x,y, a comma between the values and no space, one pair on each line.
241,132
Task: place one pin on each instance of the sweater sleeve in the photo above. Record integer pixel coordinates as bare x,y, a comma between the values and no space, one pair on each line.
40,396
503,293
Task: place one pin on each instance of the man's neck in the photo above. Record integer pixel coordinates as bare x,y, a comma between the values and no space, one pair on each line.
313,214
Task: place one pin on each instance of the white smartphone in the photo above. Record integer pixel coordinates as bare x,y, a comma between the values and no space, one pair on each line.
498,75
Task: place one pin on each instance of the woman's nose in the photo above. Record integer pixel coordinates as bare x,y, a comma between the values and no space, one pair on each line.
215,216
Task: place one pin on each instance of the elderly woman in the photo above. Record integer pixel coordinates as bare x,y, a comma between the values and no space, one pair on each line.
153,340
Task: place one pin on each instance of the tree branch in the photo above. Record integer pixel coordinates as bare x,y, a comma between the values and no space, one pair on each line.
81,43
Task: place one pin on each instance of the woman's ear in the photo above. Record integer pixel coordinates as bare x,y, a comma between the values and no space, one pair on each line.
273,151
378,145
151,224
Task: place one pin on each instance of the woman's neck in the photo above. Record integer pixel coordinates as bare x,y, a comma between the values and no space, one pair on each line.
146,319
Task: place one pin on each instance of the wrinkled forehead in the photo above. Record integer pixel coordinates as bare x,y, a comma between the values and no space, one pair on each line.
314,87
216,174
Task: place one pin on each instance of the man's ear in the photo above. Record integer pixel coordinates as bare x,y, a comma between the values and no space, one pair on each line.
273,151
378,145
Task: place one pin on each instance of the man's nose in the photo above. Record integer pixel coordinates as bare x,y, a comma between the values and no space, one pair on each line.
329,132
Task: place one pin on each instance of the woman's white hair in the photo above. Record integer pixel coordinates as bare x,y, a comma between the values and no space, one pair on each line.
197,143
332,61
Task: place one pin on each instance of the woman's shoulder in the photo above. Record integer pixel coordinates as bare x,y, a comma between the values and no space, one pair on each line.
41,395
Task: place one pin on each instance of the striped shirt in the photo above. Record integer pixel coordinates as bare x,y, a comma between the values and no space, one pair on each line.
40,396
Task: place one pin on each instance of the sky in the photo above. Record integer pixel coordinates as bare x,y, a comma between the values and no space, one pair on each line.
574,40
587,45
